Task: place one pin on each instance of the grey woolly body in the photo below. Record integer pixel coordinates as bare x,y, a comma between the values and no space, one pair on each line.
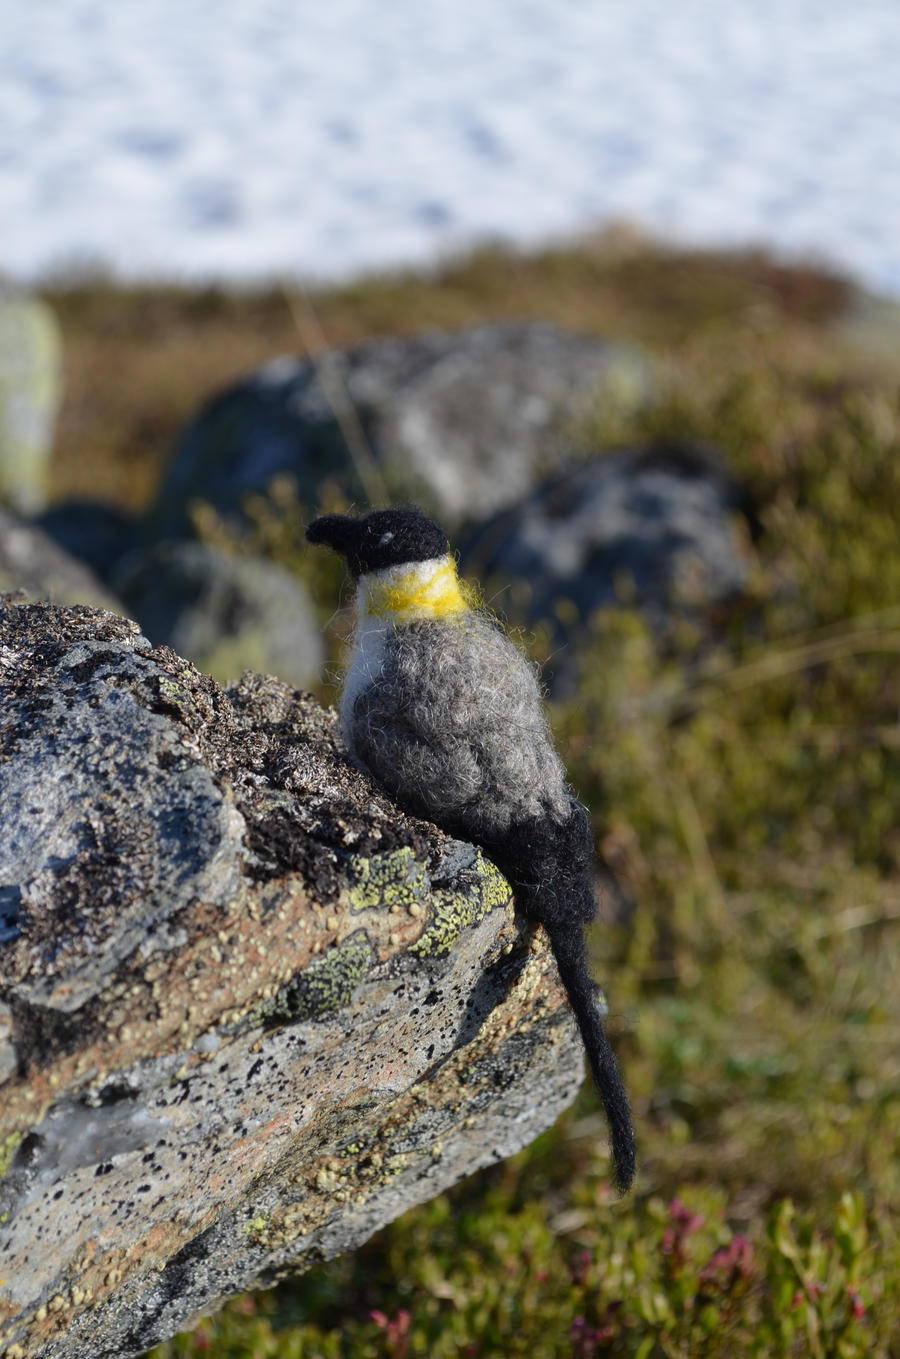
451,723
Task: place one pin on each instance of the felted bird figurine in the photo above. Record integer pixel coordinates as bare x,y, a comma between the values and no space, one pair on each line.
445,712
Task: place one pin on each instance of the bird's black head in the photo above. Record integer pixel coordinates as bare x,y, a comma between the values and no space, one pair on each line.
384,538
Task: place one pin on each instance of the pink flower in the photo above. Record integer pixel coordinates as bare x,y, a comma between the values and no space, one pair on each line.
396,1329
857,1311
585,1339
728,1266
683,1223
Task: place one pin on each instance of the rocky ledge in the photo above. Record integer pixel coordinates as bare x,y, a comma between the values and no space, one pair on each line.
249,1011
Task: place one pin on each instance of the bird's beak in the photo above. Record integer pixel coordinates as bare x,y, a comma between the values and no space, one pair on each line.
337,531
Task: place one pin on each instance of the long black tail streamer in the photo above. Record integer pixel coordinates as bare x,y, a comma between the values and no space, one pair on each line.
548,866
569,951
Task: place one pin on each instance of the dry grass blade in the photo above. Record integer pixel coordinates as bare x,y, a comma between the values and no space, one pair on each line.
778,662
316,345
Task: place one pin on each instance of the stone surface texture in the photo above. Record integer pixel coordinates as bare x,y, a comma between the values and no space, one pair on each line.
249,1011
459,422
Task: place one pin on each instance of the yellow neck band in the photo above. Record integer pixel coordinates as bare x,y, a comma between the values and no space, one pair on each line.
423,591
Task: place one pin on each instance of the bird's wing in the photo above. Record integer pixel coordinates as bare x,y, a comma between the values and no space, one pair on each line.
454,726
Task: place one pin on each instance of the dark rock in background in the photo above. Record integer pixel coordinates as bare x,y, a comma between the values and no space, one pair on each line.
98,534
459,422
652,528
249,1011
226,614
33,562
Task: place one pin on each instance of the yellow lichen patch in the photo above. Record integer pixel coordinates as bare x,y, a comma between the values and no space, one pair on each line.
8,1150
496,891
396,879
455,911
322,988
298,1219
257,1224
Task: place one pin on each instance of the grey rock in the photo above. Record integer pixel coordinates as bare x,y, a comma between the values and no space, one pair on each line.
30,390
653,528
96,533
33,562
249,1011
457,421
226,614
8,1056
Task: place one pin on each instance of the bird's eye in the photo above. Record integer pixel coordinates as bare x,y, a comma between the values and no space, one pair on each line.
385,539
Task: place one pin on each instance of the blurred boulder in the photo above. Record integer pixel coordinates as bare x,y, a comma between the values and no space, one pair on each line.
653,528
98,534
30,389
225,614
459,422
31,561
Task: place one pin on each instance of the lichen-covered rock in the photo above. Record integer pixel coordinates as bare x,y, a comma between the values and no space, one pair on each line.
249,1011
31,561
30,388
459,421
226,614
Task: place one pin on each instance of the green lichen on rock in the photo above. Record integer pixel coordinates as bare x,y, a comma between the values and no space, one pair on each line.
454,911
178,696
495,890
219,1023
8,1147
395,879
257,1224
324,987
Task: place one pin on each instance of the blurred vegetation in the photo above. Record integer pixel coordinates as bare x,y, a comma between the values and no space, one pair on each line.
139,360
745,794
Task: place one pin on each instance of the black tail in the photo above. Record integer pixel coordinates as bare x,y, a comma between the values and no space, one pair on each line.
569,950
548,866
